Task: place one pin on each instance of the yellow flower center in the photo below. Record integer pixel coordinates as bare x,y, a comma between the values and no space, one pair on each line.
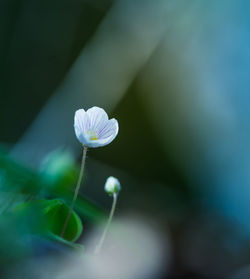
92,135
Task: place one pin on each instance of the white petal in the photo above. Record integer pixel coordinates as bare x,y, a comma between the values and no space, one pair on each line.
108,129
95,119
98,143
98,117
108,139
81,124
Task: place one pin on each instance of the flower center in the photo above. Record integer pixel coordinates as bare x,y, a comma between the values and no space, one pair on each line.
92,135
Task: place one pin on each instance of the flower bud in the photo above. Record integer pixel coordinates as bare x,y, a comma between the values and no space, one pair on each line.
112,185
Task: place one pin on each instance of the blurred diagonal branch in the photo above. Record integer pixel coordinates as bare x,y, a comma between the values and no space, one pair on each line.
101,74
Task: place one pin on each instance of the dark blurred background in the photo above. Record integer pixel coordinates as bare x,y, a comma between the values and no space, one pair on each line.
175,74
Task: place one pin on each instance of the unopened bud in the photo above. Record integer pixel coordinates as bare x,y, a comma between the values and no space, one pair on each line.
112,185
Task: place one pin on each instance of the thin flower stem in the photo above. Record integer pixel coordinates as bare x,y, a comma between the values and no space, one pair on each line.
99,246
76,191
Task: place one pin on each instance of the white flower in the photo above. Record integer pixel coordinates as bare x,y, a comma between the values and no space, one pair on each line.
112,185
93,128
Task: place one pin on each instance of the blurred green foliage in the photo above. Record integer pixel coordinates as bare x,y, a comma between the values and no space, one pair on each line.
48,216
36,203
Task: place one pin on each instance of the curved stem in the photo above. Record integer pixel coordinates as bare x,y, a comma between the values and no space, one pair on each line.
99,246
76,191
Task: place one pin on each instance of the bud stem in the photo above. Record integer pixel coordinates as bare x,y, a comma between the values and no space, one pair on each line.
99,246
76,191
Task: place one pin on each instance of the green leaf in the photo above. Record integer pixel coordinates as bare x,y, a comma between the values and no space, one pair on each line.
75,246
56,213
56,179
45,216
